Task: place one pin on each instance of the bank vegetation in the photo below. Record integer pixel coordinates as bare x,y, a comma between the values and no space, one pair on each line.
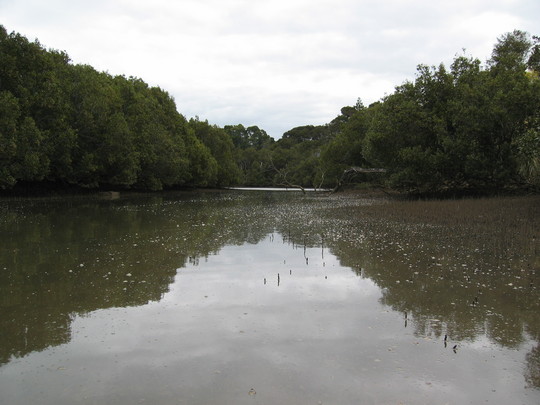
464,129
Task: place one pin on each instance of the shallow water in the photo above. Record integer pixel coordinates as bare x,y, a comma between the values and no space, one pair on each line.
262,297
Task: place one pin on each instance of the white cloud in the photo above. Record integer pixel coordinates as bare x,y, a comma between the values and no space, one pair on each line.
274,64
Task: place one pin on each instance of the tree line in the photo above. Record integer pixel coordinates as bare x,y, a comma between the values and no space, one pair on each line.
73,125
467,128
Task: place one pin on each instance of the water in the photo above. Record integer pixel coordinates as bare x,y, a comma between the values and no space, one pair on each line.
259,297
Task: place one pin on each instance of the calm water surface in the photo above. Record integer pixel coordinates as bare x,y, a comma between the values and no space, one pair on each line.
256,297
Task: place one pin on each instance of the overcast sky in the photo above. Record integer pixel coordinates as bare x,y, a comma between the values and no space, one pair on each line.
276,64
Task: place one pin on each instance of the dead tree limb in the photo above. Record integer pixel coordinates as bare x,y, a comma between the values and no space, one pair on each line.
351,171
322,181
283,178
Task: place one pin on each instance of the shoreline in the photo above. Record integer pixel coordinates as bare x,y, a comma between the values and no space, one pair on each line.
51,189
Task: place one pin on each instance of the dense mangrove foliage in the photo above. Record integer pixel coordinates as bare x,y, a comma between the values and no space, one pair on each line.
467,128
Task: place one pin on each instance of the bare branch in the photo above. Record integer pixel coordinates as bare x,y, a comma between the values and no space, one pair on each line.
283,177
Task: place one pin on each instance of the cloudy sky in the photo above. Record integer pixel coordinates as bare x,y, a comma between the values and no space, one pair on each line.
276,64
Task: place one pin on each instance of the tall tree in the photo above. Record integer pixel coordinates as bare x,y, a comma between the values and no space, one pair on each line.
220,144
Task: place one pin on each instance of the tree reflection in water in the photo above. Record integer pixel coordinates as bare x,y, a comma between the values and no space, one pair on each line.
462,269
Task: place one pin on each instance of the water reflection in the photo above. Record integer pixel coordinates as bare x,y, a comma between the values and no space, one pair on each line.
60,257
206,290
467,273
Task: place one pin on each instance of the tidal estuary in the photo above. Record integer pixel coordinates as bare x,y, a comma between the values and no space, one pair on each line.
263,297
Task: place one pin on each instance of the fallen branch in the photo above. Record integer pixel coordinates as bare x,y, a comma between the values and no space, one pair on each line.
284,182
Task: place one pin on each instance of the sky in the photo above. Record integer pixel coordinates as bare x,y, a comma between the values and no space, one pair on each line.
277,64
